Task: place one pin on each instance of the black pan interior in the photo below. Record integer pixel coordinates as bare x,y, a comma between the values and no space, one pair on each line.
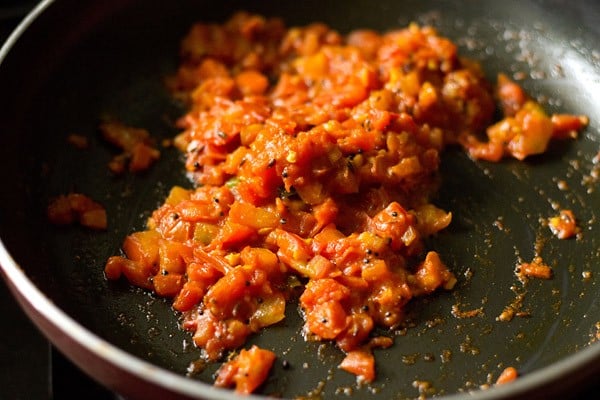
81,61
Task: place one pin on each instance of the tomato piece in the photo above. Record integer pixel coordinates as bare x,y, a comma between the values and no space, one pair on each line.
135,143
173,256
168,285
261,258
142,157
432,273
233,234
491,151
395,224
325,238
224,296
143,247
255,217
247,371
509,374
357,331
567,126
322,302
326,319
564,225
361,364
76,207
319,267
293,250
137,273
215,336
535,269
123,136
196,211
377,270
113,267
177,194
322,290
251,82
512,97
270,310
60,211
94,219
191,294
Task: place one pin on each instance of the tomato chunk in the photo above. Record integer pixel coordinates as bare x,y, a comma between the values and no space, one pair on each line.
361,364
247,371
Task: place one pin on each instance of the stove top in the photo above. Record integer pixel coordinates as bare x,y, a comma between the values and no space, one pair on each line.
32,368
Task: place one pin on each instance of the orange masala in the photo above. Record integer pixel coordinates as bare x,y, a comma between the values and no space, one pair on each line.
315,157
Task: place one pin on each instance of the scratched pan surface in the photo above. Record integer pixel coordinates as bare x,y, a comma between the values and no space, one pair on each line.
78,61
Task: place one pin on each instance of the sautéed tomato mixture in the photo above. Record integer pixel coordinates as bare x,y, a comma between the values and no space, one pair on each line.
315,159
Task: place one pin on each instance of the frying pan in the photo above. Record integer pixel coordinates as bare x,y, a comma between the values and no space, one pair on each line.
70,63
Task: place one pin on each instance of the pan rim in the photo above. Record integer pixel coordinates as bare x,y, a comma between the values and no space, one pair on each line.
26,291
99,347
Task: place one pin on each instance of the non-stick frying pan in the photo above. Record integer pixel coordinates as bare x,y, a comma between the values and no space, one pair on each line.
71,63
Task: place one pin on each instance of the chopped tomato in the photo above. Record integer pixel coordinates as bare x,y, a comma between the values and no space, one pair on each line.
509,374
564,225
314,157
247,371
525,130
535,269
361,364
76,207
135,143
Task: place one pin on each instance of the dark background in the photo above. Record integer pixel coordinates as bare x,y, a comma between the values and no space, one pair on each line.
31,368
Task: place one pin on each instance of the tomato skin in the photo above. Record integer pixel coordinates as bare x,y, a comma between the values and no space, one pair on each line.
142,157
234,235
